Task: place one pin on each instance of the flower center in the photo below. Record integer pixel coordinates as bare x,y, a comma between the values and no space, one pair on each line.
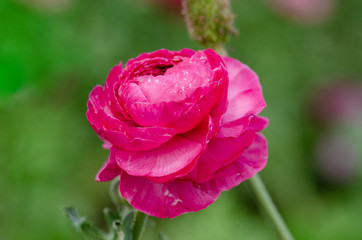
155,70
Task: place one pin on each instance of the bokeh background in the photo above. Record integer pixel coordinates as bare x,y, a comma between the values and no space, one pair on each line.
308,58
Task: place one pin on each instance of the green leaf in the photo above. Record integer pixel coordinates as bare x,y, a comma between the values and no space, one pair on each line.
82,225
110,216
128,224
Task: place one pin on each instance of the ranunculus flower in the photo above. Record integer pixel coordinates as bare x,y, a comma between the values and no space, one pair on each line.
181,126
304,11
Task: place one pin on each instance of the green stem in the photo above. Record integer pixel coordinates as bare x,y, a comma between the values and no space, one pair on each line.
140,225
270,210
220,49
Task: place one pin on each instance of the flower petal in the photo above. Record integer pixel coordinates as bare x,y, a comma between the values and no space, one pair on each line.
170,157
180,106
258,123
251,162
120,132
178,82
181,196
167,199
244,95
234,128
110,88
202,134
237,127
181,116
109,170
176,157
162,53
220,152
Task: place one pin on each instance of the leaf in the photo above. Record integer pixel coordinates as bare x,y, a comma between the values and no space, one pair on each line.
128,224
82,225
110,216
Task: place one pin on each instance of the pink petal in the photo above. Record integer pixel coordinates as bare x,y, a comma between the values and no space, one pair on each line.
174,158
111,88
179,82
251,162
181,97
234,128
244,95
167,199
237,127
120,132
154,63
220,152
258,123
170,157
217,112
109,170
202,134
181,116
162,53
106,144
181,196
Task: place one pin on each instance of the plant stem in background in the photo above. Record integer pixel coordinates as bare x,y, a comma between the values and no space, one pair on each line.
266,204
220,49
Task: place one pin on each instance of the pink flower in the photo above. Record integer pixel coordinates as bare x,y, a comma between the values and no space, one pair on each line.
181,127
304,11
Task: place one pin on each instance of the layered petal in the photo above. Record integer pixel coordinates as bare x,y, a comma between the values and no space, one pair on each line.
181,126
167,199
245,98
220,153
258,123
111,87
170,157
120,132
149,58
250,162
181,97
174,158
181,116
109,170
180,196
179,82
237,127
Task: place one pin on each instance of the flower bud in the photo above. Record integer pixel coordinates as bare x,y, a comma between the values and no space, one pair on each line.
209,21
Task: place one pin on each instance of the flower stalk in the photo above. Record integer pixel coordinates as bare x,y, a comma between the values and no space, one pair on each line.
268,207
139,225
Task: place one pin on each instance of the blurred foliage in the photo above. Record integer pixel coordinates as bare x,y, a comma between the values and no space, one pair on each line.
51,57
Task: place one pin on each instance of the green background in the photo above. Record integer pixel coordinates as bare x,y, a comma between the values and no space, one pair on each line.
50,59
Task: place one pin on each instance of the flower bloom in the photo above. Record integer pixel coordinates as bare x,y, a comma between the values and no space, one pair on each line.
304,11
181,126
